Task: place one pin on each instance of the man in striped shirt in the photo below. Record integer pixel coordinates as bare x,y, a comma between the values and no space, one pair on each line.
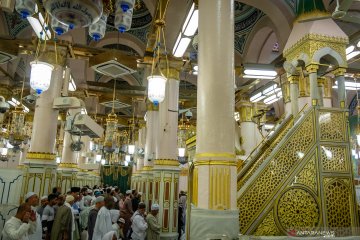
48,216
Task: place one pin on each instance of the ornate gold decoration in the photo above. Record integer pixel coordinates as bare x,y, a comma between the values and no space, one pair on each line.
268,227
184,172
312,68
195,186
268,147
297,208
215,162
215,155
191,140
68,165
246,111
308,175
293,79
332,127
167,162
339,72
311,43
147,168
334,159
269,180
338,207
285,88
219,188
41,156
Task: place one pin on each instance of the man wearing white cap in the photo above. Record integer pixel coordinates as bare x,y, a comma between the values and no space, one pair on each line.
103,222
99,203
153,231
20,226
32,199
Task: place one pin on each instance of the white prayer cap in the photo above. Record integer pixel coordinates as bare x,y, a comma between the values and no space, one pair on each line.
140,193
69,198
115,214
155,207
128,191
89,191
121,220
29,195
99,199
115,199
112,189
43,197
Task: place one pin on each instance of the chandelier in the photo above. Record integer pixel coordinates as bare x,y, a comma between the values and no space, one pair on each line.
65,15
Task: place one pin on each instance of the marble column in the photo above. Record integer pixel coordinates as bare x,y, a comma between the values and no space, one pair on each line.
166,165
294,94
68,168
321,82
40,164
215,175
249,132
152,123
314,91
340,78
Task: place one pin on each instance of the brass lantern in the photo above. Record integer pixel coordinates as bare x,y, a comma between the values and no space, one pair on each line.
17,133
111,128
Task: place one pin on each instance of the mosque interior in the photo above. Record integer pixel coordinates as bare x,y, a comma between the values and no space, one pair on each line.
251,107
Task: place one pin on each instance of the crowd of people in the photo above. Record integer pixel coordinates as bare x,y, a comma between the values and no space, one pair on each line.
87,214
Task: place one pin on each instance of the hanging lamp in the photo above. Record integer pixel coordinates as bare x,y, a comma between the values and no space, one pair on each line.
157,80
40,76
111,126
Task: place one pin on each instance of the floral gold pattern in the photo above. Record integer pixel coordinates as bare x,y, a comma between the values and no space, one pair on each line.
297,208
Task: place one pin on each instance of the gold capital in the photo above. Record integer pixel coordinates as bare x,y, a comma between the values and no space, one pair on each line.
293,79
339,72
312,68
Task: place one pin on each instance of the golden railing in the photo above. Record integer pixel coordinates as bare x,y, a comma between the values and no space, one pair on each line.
306,181
265,147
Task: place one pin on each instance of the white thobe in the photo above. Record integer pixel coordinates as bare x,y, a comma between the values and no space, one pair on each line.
103,223
38,232
138,226
15,229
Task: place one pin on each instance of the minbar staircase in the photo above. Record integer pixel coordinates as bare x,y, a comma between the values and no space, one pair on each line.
301,179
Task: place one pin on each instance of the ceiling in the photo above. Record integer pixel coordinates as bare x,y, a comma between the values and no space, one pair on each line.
259,25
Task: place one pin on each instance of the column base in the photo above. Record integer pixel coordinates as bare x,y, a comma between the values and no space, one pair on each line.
211,224
169,236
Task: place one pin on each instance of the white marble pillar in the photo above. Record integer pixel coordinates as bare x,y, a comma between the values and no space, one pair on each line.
340,78
152,123
40,165
321,91
314,92
214,177
166,165
68,168
294,94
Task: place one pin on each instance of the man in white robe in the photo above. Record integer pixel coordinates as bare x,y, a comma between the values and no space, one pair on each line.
21,225
32,199
103,222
